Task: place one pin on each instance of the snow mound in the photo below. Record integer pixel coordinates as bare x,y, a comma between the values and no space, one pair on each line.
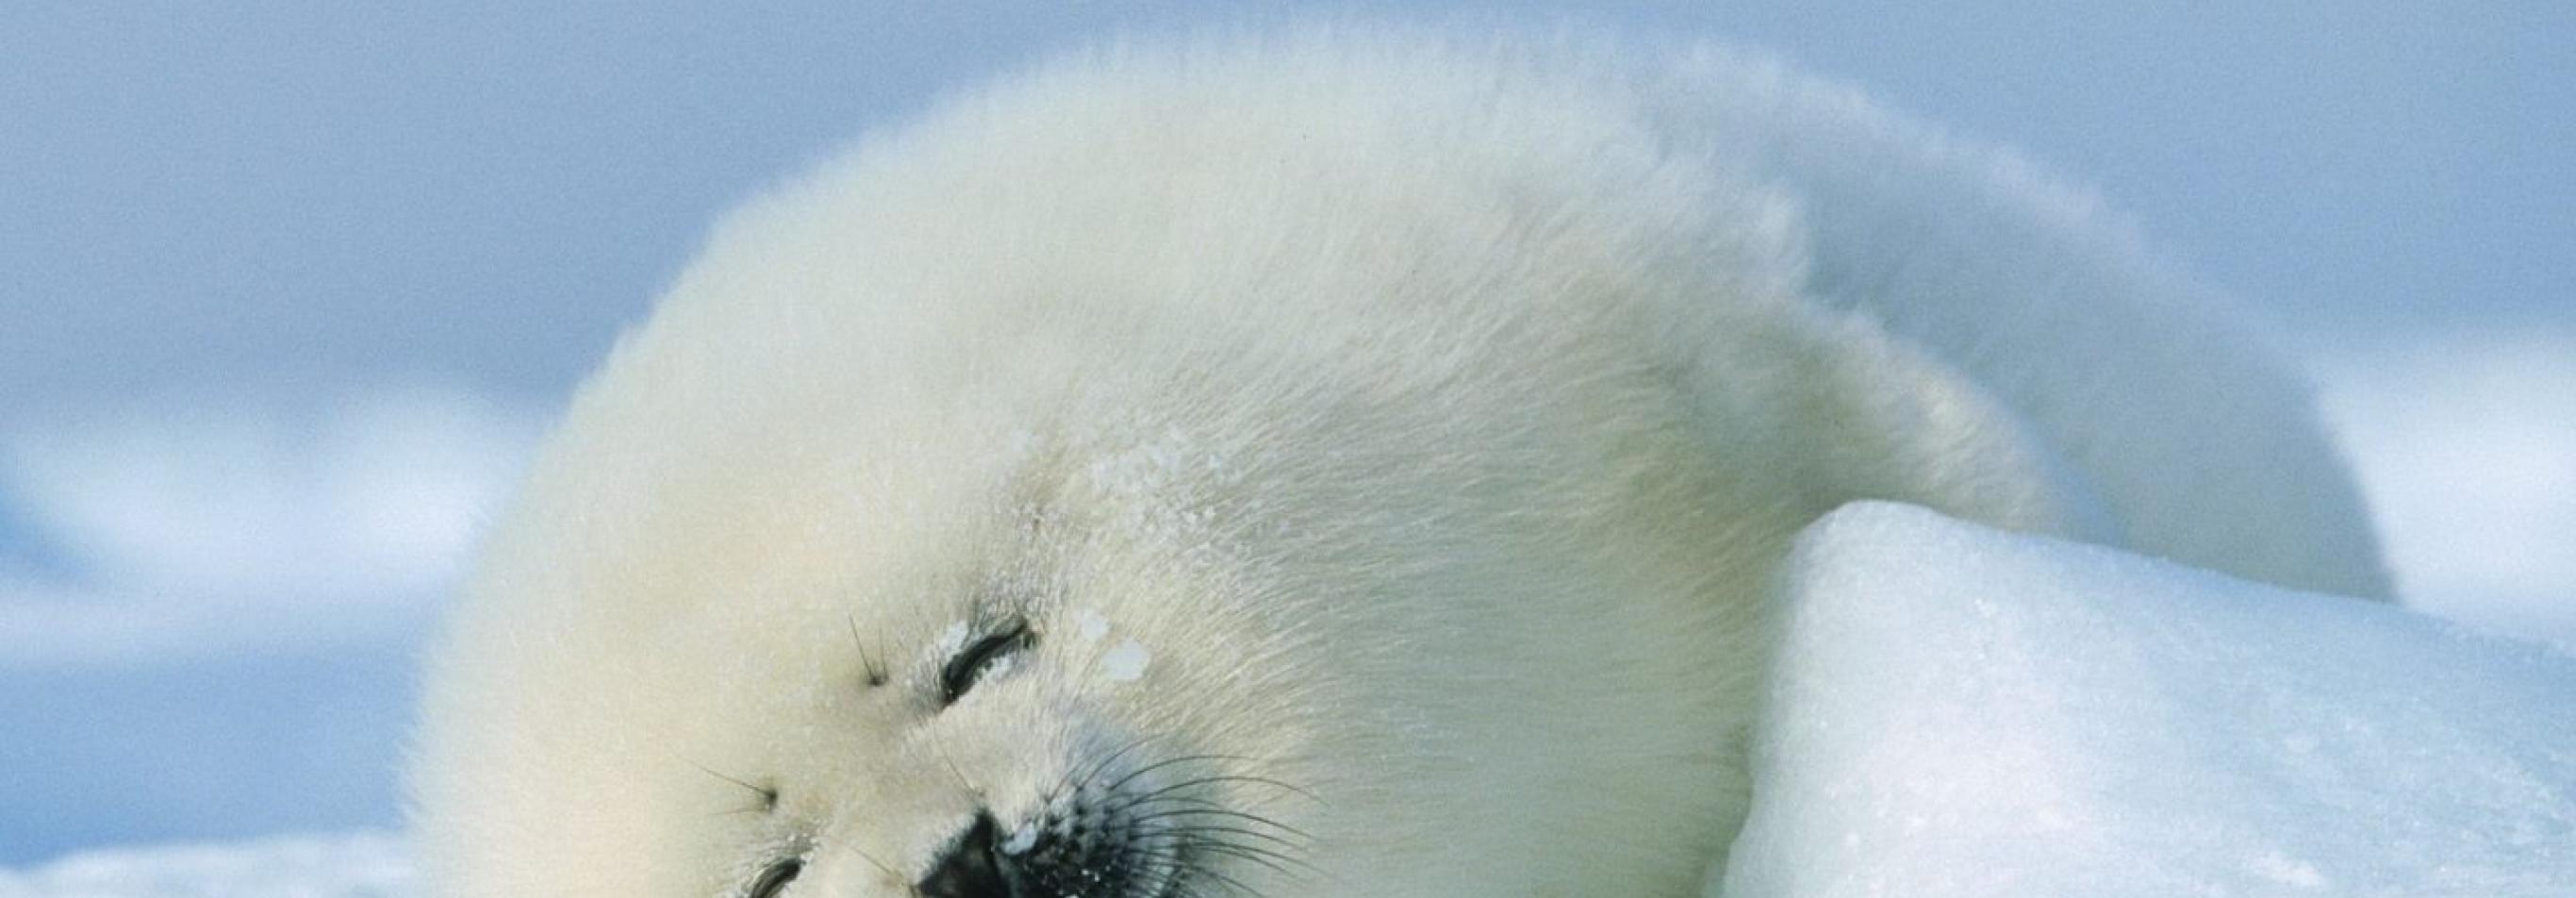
360,865
1959,711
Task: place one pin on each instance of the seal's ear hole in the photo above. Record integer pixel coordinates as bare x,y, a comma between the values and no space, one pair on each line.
992,654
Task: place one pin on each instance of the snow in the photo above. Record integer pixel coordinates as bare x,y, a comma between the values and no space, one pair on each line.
359,865
1090,626
1022,839
1126,663
1964,712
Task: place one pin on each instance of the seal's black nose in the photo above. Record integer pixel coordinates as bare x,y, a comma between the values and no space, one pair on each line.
969,868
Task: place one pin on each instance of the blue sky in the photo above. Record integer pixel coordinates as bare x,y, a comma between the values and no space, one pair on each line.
286,290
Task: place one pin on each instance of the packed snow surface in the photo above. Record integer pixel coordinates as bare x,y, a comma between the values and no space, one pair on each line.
1962,712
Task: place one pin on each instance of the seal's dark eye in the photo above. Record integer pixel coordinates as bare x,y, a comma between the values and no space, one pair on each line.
985,656
773,881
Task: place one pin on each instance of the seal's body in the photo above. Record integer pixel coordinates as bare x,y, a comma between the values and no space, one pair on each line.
1325,466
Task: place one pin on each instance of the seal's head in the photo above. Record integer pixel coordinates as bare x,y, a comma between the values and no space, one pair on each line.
1152,647
1181,650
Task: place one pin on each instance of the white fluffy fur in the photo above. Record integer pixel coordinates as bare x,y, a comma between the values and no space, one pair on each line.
1428,413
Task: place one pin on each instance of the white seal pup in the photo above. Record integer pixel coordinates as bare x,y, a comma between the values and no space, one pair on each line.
1340,464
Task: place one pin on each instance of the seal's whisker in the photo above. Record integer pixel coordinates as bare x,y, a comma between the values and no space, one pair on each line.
1184,844
1095,769
1173,867
1194,829
1224,880
1257,780
1167,762
875,670
1212,809
881,865
945,759
1273,862
768,795
1258,853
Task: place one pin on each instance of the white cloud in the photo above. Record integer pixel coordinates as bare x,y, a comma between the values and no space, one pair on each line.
354,865
2466,445
214,526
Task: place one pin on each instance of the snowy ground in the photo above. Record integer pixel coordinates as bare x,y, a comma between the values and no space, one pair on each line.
1961,712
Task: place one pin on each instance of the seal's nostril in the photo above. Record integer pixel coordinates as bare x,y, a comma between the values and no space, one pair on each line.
969,868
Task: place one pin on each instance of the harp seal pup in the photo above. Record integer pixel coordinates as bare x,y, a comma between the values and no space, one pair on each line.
1346,463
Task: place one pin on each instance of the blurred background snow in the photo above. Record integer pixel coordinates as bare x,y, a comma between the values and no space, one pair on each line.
288,290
